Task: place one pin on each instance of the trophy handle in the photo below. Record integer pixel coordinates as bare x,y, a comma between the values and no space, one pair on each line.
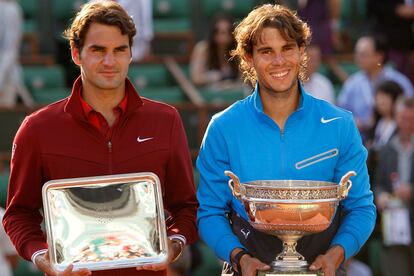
234,184
345,184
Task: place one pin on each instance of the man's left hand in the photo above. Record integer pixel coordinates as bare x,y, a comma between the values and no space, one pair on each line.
329,262
174,249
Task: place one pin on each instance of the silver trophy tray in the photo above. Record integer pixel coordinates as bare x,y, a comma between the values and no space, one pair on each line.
105,222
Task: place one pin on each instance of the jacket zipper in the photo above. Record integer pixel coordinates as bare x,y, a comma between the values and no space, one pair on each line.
110,153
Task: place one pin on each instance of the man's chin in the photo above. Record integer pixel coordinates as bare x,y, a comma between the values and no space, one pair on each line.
108,85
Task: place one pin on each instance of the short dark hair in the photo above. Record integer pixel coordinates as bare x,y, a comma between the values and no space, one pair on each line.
404,102
390,88
105,12
380,44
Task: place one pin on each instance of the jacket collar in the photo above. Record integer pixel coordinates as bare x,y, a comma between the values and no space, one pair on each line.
304,100
74,105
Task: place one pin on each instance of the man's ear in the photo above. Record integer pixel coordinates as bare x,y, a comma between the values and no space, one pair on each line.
75,52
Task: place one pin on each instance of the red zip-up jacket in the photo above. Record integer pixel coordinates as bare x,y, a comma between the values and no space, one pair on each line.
58,142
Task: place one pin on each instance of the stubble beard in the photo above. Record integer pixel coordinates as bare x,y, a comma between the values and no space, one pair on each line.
285,94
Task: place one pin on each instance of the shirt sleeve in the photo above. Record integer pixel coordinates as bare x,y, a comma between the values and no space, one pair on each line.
407,86
214,196
358,208
22,218
345,94
180,199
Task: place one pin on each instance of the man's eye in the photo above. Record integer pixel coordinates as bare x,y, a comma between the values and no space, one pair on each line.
289,51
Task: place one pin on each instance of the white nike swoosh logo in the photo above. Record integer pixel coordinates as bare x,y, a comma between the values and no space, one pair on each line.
140,140
324,121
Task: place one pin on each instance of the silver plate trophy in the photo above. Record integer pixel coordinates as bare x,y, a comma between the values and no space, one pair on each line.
105,222
290,209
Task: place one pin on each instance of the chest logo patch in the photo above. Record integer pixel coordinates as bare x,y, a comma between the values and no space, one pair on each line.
316,158
141,139
245,232
325,121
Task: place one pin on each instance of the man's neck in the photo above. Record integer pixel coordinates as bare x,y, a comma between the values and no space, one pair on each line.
373,74
279,106
104,101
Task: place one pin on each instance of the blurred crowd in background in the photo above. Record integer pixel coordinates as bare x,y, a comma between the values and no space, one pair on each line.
361,58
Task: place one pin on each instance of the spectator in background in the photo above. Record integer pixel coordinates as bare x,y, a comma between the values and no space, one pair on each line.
141,13
386,95
394,19
8,255
318,85
357,94
210,64
384,124
11,83
394,180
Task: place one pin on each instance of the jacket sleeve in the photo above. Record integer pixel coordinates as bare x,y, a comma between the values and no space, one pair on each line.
358,208
22,218
214,196
179,198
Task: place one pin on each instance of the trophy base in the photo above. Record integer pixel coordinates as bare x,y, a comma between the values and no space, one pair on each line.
290,273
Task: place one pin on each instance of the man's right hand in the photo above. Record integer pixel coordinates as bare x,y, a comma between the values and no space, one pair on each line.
251,265
42,262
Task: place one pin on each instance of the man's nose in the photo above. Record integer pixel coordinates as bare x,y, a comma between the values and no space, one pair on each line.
109,59
278,58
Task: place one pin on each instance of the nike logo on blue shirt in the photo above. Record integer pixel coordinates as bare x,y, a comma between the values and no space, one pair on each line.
324,121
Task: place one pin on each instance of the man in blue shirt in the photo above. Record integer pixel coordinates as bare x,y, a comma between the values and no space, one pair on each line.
358,92
280,132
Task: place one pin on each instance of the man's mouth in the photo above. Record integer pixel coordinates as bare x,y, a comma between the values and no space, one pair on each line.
279,75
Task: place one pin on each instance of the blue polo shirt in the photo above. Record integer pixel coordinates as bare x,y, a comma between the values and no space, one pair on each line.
319,142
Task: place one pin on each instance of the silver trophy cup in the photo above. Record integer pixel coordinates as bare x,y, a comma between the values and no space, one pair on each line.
290,209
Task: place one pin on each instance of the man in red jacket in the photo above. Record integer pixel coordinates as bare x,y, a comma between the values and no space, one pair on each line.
103,128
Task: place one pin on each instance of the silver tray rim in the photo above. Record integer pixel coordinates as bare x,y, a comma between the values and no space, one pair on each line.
106,180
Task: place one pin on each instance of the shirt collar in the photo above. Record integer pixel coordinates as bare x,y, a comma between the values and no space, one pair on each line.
258,105
87,109
74,104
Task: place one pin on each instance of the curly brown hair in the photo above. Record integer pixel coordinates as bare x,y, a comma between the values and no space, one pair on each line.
106,12
250,28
